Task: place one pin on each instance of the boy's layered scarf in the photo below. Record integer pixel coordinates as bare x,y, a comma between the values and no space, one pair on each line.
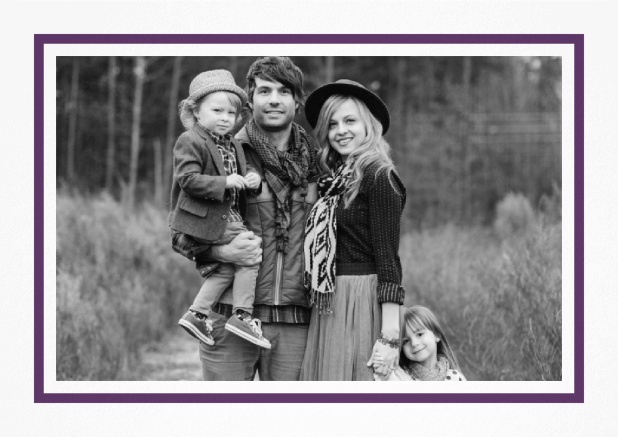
321,239
284,171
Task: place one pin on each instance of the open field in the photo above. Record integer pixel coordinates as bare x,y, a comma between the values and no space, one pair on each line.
498,301
497,292
174,358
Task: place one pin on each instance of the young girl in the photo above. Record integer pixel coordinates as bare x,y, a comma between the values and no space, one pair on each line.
208,192
352,266
426,354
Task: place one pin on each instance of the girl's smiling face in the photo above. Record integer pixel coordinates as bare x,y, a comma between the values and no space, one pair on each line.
346,129
421,345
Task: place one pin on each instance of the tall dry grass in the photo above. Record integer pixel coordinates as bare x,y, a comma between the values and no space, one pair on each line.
118,285
498,294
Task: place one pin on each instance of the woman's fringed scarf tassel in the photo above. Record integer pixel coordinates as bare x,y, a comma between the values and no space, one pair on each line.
321,240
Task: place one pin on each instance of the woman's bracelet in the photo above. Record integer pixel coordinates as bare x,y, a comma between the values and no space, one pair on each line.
393,342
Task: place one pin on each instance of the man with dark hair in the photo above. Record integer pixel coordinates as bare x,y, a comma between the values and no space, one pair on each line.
285,157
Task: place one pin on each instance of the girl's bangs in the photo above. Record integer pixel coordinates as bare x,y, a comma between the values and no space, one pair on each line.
415,324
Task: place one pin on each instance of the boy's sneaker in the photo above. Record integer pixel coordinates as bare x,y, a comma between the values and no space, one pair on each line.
247,328
198,328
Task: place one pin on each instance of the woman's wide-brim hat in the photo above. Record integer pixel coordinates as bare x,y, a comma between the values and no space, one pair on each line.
346,87
213,81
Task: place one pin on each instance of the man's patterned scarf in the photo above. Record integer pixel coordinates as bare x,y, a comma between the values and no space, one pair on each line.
321,239
284,171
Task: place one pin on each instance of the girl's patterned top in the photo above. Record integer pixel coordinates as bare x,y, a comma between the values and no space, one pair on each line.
401,375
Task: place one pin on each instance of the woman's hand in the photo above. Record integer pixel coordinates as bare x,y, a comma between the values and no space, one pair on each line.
383,359
377,361
388,347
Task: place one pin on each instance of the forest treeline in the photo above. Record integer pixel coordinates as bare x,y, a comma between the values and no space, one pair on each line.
465,130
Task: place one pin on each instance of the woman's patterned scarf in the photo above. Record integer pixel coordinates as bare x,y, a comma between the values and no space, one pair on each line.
321,239
422,373
284,171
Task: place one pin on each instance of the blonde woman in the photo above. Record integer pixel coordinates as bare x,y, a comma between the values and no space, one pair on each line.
352,266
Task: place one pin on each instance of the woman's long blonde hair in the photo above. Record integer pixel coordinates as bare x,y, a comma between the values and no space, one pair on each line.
374,150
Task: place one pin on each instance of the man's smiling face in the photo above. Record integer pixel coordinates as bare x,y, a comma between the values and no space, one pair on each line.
274,105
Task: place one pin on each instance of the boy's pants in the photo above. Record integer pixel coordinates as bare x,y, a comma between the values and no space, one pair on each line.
244,279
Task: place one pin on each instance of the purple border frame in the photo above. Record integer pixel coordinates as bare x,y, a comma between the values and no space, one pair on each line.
576,40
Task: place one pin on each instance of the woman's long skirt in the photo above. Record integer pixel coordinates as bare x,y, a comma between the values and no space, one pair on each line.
340,344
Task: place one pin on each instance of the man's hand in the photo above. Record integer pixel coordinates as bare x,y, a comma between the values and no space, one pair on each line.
252,181
244,250
235,181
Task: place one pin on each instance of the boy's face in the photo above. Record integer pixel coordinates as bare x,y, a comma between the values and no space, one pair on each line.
216,113
273,106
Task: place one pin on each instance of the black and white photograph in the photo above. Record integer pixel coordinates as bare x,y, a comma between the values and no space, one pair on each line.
312,218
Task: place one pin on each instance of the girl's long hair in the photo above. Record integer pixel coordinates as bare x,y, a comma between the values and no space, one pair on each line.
373,151
418,317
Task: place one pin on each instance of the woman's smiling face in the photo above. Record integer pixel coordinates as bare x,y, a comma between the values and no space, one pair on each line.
421,346
346,129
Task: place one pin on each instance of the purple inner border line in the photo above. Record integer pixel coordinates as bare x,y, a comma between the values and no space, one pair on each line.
576,397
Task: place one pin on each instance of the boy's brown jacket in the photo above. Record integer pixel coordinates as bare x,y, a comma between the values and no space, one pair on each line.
200,204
